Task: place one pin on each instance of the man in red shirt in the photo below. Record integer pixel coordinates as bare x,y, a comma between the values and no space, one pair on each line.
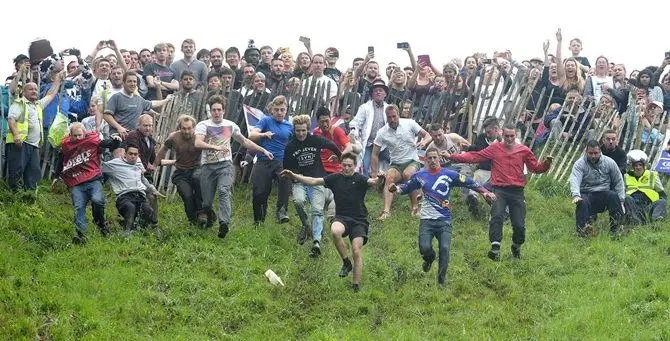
336,134
80,171
508,180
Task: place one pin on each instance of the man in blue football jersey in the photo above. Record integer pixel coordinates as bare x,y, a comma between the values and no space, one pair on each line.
436,183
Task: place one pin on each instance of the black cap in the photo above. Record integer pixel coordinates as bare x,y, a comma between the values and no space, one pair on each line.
20,58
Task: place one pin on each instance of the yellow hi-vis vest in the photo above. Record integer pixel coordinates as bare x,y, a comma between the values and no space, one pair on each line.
645,184
22,121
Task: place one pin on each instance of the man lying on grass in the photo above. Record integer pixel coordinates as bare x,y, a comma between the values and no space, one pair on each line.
436,183
351,215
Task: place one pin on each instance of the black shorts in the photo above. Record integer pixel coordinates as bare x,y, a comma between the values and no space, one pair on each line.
353,228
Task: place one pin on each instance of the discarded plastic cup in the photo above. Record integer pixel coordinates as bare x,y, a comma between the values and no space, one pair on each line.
273,278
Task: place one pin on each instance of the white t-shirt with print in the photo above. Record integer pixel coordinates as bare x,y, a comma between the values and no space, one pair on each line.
218,134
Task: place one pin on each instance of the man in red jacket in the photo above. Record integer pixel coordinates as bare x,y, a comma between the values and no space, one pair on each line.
80,170
508,180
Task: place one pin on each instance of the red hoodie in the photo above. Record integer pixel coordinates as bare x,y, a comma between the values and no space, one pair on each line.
81,159
507,165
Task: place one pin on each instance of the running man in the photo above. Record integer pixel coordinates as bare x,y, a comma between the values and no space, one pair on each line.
351,215
436,183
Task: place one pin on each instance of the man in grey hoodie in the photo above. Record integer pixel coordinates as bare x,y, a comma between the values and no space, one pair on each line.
125,175
597,186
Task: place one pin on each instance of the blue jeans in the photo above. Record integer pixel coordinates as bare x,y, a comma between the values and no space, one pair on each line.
367,159
441,230
317,200
81,194
23,164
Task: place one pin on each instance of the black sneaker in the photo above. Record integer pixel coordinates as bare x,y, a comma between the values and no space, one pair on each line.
355,287
223,229
494,255
516,251
426,265
346,268
471,202
104,230
302,234
79,238
441,279
316,249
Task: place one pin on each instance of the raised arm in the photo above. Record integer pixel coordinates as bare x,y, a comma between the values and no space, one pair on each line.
302,179
560,68
53,91
412,59
359,70
119,57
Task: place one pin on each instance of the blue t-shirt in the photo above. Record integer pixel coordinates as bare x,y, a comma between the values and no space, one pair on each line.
436,188
281,131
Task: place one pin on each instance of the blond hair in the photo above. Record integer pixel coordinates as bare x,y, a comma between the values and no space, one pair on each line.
302,119
277,101
77,125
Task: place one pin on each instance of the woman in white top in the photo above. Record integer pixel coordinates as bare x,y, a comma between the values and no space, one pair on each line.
599,83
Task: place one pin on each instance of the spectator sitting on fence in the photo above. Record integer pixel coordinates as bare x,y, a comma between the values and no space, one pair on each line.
610,148
260,95
124,108
276,78
645,195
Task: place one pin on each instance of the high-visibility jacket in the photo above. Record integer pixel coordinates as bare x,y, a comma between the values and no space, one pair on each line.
644,184
22,121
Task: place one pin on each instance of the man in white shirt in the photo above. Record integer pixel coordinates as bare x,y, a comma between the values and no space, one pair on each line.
217,172
25,118
328,84
399,136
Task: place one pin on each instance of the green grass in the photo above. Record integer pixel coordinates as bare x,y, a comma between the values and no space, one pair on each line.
190,285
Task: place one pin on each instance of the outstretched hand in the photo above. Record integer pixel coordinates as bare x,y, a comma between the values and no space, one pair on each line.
489,196
287,174
548,160
160,195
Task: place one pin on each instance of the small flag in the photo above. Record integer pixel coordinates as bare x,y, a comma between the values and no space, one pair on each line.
663,164
252,116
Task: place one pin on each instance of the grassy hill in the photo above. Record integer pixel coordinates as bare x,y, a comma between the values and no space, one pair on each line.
190,285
